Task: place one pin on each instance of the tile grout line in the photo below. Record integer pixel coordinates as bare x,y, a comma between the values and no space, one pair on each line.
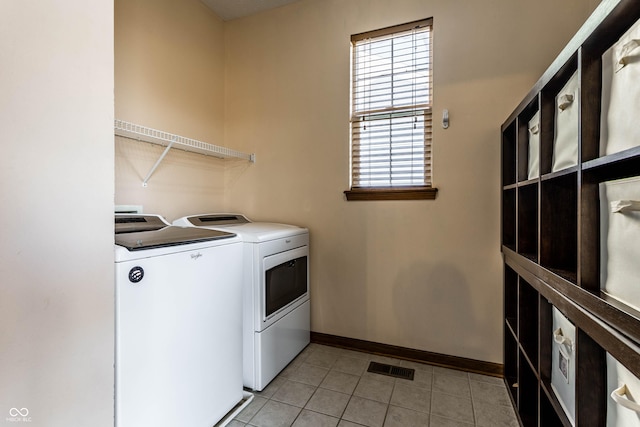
386,412
433,379
351,395
360,377
473,405
318,388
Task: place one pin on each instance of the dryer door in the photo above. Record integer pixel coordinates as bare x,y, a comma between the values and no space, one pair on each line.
286,283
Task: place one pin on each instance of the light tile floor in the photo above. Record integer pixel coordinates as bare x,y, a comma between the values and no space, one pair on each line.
327,386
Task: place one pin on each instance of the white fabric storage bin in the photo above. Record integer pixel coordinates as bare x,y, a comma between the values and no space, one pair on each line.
565,142
620,240
619,128
563,367
534,147
623,388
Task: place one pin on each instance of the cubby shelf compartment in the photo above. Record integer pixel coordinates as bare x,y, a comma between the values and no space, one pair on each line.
527,393
548,112
527,215
511,297
551,413
528,320
524,150
509,164
511,364
169,140
509,218
559,226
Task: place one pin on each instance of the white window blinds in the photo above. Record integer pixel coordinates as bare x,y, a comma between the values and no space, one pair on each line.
391,107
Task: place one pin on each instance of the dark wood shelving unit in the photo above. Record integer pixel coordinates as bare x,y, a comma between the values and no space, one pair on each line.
550,238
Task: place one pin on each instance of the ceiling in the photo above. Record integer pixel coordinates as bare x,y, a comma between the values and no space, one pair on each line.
233,9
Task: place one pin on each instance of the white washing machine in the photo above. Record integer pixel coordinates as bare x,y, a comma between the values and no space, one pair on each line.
276,307
178,323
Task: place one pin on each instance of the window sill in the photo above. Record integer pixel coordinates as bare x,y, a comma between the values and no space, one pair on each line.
392,193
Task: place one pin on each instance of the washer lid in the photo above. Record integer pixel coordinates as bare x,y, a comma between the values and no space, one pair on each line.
250,232
129,223
168,236
214,220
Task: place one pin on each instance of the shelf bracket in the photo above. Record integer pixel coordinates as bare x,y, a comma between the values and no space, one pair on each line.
155,166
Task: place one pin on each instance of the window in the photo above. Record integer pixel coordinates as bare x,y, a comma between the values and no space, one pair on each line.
391,113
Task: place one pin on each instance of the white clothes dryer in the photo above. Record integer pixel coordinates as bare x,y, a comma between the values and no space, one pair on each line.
276,307
178,323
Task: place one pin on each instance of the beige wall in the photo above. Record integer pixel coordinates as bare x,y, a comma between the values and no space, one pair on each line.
420,274
169,75
56,193
425,274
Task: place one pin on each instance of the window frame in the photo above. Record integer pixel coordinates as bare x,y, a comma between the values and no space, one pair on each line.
400,192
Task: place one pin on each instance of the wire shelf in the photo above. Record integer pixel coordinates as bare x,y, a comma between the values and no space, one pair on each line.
169,140
154,136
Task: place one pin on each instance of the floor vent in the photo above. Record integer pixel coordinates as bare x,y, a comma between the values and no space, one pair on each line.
392,371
